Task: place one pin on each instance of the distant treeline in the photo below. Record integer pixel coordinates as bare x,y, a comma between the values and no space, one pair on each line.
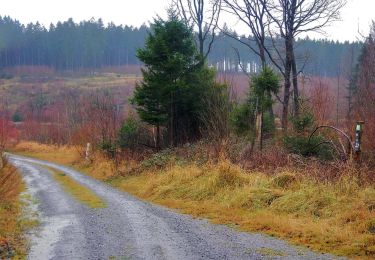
90,44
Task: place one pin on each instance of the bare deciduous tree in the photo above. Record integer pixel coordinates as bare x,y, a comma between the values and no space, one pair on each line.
291,18
204,16
253,14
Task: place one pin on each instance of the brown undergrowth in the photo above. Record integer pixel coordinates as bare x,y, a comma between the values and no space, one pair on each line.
329,207
13,224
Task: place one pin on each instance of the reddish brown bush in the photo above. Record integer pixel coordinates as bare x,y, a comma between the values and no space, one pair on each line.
321,102
269,160
8,134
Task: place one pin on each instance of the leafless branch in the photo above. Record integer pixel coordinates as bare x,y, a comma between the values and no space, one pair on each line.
202,15
240,63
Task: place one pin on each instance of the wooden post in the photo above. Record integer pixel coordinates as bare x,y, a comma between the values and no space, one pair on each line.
88,152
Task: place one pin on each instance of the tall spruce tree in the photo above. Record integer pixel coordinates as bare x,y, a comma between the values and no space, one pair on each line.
174,81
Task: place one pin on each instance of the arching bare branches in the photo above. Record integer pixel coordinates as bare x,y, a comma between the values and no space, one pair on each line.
343,152
203,15
253,14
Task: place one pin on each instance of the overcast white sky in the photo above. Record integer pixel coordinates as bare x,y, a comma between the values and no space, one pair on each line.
357,13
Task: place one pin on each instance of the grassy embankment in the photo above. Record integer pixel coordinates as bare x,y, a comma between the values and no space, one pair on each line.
336,217
13,224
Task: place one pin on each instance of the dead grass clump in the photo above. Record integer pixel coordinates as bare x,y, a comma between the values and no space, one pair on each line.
308,200
369,198
371,226
99,167
12,242
10,183
261,198
284,180
229,175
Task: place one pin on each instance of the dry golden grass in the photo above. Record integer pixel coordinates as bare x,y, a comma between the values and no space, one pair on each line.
336,217
59,154
100,168
78,191
12,242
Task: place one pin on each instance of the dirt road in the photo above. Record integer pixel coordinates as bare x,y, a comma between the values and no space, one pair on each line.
128,228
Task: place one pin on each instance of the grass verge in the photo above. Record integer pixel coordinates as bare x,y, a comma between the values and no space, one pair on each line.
336,217
100,168
76,190
13,224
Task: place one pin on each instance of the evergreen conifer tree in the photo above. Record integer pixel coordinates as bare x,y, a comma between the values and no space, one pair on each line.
174,81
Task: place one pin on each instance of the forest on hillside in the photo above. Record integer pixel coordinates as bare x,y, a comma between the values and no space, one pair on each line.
70,45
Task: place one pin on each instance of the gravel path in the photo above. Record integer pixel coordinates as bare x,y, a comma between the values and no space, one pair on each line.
132,229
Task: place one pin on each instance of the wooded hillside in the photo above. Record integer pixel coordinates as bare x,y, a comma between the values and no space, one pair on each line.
69,45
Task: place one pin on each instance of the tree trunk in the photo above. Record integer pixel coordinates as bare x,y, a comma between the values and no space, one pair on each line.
201,46
295,80
289,57
284,120
171,122
262,55
263,60
157,137
200,40
260,127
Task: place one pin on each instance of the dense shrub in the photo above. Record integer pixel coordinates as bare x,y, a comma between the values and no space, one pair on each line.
17,117
215,117
300,142
268,125
304,146
303,122
109,148
129,134
257,106
242,120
